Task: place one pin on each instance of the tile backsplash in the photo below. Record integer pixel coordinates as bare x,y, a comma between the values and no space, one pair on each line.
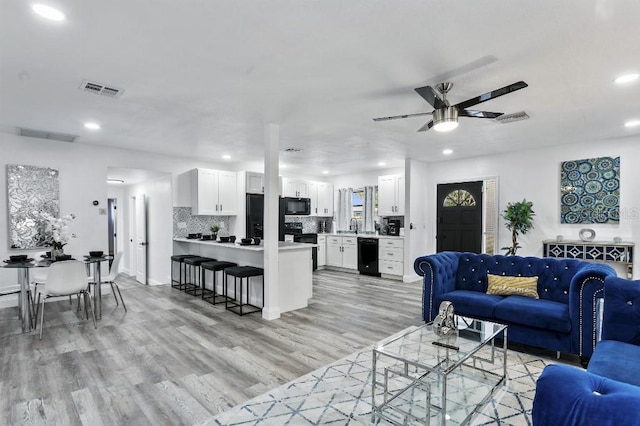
192,224
310,224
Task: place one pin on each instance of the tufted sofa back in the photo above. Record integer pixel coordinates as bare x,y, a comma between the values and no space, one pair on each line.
554,275
621,310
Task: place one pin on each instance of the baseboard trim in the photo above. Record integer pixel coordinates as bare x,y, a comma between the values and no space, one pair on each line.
271,314
154,282
411,278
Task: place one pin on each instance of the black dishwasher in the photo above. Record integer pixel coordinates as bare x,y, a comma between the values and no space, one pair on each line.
368,256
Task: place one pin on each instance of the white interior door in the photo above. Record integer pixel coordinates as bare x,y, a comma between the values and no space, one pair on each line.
133,253
141,239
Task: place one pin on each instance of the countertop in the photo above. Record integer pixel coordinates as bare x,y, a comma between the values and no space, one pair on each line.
349,234
282,245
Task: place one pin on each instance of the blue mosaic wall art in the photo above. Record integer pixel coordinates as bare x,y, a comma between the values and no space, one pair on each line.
590,190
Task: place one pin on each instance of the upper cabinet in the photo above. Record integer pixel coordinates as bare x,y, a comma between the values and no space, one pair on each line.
213,193
295,188
321,195
391,195
255,183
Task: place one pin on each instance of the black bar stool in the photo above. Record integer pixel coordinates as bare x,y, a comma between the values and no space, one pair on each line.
236,304
179,258
215,266
193,271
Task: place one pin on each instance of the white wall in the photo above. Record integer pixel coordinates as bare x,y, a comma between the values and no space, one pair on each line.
535,175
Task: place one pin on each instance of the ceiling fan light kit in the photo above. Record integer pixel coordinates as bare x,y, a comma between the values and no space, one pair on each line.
445,116
445,119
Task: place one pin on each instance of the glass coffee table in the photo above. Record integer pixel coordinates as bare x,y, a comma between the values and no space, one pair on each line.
422,378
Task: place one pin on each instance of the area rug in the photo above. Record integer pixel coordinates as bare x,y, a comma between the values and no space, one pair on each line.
340,394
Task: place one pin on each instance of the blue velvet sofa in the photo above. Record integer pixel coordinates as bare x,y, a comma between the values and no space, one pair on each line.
562,319
608,393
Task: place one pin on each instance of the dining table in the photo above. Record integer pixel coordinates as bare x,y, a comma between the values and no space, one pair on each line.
23,269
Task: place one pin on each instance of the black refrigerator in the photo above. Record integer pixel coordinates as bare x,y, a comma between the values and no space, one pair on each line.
255,216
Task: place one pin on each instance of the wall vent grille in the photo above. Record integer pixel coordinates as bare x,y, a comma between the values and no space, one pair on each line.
510,118
101,89
291,150
43,134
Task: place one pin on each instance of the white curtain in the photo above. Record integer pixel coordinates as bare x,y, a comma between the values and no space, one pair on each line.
345,208
367,209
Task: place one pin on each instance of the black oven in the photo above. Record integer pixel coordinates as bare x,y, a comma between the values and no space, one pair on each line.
297,206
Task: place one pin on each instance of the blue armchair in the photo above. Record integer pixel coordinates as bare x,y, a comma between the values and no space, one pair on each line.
608,393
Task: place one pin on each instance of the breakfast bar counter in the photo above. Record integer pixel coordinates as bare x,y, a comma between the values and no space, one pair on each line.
295,266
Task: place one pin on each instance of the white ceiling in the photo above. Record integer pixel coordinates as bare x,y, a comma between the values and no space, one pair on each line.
202,77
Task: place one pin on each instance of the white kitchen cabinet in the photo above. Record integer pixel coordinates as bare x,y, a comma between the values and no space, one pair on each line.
342,252
254,183
295,188
213,193
391,195
322,250
391,256
321,195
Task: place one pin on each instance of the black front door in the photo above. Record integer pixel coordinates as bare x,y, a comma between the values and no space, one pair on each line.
459,214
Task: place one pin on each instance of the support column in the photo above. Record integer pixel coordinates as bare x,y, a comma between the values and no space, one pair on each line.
271,309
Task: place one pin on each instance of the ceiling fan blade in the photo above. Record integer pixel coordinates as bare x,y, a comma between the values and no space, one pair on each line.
431,96
426,126
491,95
396,117
478,114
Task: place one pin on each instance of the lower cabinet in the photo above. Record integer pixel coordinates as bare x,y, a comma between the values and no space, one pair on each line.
342,252
391,256
322,250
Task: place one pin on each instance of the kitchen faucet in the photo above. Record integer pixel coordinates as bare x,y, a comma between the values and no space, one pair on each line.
355,228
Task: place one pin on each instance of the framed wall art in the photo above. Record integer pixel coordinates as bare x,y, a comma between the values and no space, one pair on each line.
590,190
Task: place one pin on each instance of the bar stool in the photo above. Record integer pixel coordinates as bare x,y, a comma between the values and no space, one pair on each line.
193,265
179,258
236,304
215,266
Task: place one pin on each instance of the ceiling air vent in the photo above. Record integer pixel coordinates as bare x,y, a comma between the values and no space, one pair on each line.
291,150
510,118
101,89
43,134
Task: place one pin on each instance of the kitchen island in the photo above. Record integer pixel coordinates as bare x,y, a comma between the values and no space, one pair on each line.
294,267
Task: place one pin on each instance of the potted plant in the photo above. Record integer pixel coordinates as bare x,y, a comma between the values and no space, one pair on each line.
214,232
519,220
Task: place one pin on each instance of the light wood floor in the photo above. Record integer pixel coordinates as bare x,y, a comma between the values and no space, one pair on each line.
174,359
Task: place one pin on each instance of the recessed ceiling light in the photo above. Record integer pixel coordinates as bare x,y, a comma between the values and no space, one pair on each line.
447,151
632,123
382,163
48,12
325,172
92,126
627,78
226,157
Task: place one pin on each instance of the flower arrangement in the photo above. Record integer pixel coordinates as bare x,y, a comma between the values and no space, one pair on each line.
57,233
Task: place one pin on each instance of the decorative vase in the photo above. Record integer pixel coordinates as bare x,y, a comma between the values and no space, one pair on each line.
55,252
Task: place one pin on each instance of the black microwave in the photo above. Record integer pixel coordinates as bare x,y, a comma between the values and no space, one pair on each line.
297,206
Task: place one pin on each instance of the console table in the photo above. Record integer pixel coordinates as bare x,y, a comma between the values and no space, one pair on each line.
594,251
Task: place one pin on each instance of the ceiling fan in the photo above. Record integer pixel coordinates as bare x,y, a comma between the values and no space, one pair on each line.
445,115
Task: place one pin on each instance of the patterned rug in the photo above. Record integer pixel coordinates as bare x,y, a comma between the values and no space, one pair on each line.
340,394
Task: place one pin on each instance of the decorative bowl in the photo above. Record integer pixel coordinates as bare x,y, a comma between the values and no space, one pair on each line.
63,257
256,240
225,239
96,253
232,238
246,240
18,258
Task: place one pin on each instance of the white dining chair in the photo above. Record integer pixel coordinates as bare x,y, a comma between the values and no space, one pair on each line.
65,278
111,280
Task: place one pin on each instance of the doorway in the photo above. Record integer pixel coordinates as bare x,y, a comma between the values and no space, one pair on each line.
112,218
459,217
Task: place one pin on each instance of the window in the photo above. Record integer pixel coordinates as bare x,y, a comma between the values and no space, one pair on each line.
459,198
